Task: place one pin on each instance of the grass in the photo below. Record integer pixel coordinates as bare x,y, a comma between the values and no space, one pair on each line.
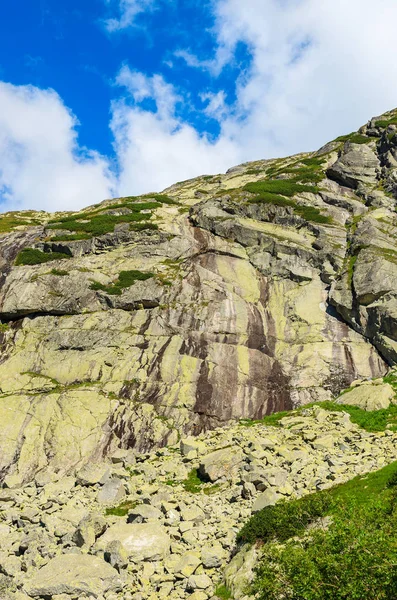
353,558
222,592
312,214
269,198
284,187
193,482
125,279
33,256
9,221
386,122
72,237
121,510
59,272
355,138
4,327
350,268
371,421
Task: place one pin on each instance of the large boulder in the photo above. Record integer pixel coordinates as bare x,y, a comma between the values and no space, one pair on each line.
74,574
142,541
369,397
221,463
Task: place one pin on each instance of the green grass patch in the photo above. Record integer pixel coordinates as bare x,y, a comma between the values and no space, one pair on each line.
386,122
372,421
222,592
125,279
312,214
9,221
355,138
59,272
193,482
285,519
284,187
121,510
4,327
353,559
269,198
33,256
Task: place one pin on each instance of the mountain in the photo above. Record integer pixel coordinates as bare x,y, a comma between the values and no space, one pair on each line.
146,344
141,319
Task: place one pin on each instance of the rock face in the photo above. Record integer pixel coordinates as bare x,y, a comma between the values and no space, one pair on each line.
223,298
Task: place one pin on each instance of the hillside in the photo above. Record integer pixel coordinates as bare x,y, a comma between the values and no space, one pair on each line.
140,321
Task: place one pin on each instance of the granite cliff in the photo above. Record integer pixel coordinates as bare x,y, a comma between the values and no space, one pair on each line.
142,319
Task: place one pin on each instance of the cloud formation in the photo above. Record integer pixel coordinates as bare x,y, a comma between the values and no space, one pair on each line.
315,70
154,147
41,164
127,11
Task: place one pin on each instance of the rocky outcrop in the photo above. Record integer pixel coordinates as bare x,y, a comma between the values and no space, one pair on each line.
223,298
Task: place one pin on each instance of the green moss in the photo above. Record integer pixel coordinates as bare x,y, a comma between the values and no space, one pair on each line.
33,256
4,327
350,268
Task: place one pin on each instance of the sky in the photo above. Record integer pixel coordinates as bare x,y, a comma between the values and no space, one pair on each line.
107,98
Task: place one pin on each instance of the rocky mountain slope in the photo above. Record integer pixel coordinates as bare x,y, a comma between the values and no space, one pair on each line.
138,320
164,524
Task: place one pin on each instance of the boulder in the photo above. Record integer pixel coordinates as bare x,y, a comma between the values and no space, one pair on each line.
112,492
221,463
268,498
142,541
369,397
74,574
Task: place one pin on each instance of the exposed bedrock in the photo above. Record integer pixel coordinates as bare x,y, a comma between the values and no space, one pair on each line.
203,306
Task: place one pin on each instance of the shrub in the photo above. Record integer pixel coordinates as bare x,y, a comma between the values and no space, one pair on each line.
285,519
312,214
34,256
353,560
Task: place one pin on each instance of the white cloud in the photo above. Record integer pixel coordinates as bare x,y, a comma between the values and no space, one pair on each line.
155,148
128,10
41,164
318,69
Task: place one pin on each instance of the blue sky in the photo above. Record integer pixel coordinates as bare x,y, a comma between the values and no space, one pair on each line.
110,97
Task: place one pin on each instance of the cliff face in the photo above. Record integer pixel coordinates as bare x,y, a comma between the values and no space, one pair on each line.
226,297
